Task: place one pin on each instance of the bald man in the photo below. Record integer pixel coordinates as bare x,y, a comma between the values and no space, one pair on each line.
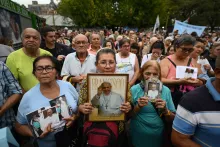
78,64
20,62
197,118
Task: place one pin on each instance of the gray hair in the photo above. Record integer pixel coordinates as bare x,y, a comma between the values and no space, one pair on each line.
23,32
106,82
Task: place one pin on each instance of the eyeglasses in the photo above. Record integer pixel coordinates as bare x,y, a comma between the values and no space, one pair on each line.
125,46
48,69
104,63
149,74
185,50
80,42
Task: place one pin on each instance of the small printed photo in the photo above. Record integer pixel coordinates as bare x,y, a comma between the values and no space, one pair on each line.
153,90
35,121
50,116
61,106
107,101
186,72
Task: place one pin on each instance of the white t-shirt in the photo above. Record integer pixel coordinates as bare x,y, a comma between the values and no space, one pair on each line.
147,58
126,65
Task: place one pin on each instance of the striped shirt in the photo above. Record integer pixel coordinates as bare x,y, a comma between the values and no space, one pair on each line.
8,86
198,115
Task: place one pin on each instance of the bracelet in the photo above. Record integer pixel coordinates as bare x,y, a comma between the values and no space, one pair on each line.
168,113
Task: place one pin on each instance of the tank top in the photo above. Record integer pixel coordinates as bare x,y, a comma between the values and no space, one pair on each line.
172,75
126,65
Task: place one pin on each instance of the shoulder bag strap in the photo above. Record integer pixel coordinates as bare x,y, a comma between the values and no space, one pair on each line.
189,62
172,62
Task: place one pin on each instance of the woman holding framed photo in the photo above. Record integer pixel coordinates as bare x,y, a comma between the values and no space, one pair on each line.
146,125
105,64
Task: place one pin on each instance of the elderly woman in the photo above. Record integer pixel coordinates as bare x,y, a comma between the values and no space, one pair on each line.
146,126
156,51
105,64
183,46
46,69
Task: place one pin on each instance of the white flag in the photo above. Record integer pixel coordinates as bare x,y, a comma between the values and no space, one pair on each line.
157,24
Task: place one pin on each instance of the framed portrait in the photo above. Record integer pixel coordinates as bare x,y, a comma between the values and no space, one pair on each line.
153,88
186,72
106,93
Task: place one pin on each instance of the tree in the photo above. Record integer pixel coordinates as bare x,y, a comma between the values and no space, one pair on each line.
88,13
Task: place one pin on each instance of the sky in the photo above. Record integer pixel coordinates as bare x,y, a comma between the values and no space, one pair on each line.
26,2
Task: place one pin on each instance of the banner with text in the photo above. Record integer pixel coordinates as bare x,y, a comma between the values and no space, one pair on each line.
187,28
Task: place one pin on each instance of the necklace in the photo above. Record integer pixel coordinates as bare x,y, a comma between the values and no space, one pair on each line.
107,100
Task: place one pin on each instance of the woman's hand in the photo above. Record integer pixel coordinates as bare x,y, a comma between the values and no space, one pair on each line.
69,121
142,101
86,108
207,67
47,130
160,104
125,107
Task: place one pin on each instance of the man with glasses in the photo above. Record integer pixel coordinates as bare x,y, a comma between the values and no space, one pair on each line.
20,62
79,63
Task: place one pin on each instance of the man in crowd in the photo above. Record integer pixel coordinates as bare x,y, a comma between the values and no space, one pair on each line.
198,115
79,63
107,101
20,62
10,94
58,50
95,44
214,52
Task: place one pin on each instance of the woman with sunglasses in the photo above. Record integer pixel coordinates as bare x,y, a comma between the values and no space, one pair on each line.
183,46
46,70
156,51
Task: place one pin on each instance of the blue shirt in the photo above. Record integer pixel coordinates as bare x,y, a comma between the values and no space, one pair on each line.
8,86
34,100
198,115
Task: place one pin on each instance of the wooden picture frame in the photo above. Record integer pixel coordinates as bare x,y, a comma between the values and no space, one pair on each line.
106,92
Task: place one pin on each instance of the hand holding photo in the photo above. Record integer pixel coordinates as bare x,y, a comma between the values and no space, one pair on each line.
186,72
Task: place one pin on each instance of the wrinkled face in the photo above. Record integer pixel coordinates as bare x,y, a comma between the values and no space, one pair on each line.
198,48
50,38
95,40
150,72
106,63
125,48
81,44
106,87
184,51
31,39
45,71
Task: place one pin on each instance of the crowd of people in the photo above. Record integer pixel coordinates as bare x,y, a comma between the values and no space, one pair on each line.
53,63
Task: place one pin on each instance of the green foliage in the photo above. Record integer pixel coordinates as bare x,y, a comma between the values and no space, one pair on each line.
139,13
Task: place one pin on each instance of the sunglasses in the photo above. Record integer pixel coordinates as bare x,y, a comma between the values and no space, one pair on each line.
185,50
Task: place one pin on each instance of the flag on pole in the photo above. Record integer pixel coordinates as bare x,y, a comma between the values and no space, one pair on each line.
187,20
157,24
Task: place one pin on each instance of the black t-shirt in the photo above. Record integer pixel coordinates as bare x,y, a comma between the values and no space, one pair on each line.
59,49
